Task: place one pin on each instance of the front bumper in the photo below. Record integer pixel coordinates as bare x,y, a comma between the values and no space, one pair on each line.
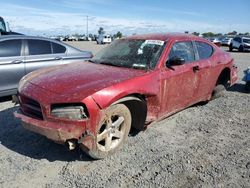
56,131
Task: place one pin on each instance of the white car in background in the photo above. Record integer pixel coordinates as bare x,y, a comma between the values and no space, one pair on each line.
240,43
104,39
226,41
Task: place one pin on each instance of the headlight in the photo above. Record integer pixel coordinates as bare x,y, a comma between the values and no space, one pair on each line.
69,111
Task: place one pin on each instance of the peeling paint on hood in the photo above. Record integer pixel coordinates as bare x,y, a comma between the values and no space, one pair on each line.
79,77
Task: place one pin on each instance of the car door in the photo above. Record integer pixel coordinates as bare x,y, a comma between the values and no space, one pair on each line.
206,79
40,55
237,42
179,83
11,65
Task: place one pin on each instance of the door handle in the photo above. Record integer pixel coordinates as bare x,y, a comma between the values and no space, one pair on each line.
58,58
16,62
196,68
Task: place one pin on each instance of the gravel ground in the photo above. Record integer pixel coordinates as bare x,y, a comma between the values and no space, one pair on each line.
202,146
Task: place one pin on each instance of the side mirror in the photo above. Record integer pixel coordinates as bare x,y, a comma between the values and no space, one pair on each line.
175,61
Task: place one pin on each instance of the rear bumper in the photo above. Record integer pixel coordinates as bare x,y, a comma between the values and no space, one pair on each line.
55,131
234,75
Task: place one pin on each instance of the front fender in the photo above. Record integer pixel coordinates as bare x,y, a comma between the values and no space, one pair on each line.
146,85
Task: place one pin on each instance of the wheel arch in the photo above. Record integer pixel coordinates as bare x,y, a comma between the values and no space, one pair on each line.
224,77
137,105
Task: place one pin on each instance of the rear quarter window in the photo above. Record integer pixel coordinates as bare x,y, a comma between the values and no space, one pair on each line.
204,50
57,48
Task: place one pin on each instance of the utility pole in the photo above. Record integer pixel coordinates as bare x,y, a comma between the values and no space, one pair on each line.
87,27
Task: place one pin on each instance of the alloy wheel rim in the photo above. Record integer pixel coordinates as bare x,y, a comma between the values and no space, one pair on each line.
111,132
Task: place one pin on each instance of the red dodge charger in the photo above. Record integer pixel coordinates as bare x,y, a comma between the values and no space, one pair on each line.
132,82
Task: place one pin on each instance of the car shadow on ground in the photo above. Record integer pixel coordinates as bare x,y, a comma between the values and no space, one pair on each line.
5,99
238,87
14,137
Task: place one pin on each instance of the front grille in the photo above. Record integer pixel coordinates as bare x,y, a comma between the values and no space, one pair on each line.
30,107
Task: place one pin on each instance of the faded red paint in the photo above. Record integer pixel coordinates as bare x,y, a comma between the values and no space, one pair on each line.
98,86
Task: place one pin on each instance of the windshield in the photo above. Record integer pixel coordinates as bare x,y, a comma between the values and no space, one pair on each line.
131,53
246,40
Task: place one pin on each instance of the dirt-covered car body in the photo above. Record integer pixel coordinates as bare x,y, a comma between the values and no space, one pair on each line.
150,93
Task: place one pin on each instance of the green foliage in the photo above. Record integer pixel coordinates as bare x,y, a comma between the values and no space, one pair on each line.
196,33
101,31
232,33
209,34
119,34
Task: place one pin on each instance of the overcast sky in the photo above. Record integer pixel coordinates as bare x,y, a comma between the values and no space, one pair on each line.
49,17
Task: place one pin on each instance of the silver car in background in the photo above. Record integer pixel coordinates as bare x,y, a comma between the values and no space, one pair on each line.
20,54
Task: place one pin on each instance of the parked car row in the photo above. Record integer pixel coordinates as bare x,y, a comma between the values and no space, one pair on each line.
100,39
239,43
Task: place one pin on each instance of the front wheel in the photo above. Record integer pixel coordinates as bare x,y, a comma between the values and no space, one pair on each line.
112,131
230,47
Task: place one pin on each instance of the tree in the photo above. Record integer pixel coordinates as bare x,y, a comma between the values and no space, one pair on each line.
196,33
208,34
232,33
101,31
118,34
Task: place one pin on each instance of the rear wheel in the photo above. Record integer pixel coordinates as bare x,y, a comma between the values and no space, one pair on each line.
219,91
241,49
112,131
247,87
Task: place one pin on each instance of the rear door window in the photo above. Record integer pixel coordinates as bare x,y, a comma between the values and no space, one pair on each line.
10,48
183,50
39,47
57,48
204,50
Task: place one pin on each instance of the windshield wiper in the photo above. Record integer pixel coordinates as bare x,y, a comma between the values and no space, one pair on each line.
139,66
91,61
111,64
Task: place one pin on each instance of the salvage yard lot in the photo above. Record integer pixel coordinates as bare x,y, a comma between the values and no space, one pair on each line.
205,145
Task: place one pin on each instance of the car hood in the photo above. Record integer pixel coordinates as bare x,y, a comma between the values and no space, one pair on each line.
80,78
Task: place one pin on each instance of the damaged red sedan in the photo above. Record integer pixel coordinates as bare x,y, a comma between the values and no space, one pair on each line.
132,82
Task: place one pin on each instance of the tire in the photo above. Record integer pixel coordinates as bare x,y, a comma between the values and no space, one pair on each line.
230,47
219,91
241,49
247,87
112,131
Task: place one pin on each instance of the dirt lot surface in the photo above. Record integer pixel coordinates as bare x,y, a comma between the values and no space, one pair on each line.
202,146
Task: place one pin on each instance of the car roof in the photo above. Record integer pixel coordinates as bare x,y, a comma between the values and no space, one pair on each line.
165,36
69,47
22,37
